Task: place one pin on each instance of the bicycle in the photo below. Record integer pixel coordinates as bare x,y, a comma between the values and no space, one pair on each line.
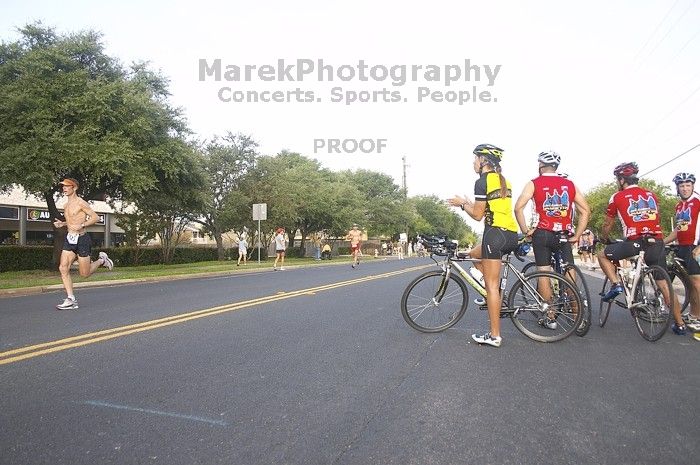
438,299
642,296
573,273
676,269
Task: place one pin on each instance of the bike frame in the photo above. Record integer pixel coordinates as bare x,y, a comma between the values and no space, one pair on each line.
631,288
450,263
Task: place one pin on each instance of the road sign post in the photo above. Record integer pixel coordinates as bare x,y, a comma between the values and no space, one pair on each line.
259,214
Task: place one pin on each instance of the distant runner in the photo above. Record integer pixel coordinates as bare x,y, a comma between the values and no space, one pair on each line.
354,236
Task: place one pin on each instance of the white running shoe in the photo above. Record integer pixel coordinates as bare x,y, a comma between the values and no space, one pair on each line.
549,323
106,261
488,339
68,304
693,324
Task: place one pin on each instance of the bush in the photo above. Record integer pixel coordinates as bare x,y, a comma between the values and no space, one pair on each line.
292,252
18,258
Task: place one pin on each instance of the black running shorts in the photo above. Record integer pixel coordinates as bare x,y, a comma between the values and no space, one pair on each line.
83,248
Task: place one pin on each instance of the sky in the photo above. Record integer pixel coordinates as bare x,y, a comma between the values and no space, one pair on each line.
604,83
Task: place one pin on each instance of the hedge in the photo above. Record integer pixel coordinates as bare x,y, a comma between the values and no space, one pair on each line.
18,258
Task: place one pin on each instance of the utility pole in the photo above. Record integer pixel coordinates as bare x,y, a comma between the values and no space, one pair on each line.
403,237
403,183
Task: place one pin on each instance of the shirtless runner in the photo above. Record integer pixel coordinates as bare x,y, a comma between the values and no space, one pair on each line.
79,215
354,237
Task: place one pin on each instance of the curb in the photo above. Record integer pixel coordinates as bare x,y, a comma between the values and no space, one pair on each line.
24,291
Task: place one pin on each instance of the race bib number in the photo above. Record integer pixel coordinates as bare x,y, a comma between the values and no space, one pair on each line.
73,238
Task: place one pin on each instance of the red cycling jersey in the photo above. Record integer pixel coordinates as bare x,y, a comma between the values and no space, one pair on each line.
687,224
554,196
638,210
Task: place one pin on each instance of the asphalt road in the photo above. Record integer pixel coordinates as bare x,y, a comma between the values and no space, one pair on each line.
322,369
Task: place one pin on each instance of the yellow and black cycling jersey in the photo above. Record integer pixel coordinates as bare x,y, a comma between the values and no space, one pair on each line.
499,211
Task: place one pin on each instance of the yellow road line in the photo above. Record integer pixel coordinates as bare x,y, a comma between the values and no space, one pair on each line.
36,350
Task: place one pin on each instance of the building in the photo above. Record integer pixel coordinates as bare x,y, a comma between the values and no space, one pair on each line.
25,220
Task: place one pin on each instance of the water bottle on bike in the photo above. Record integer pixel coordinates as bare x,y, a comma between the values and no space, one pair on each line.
479,278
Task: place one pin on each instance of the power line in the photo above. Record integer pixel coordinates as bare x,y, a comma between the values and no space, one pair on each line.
695,36
651,129
669,31
672,159
655,31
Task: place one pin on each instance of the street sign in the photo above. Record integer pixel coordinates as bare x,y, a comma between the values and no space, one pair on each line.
259,211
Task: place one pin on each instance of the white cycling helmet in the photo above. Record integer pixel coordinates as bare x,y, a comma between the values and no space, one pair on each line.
549,158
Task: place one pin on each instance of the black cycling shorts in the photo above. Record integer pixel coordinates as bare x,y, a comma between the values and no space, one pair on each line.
498,242
83,248
545,242
654,250
685,252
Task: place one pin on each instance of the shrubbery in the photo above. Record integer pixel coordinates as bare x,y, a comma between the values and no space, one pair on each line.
18,258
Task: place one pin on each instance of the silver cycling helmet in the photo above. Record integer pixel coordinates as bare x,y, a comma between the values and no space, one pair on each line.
684,177
549,158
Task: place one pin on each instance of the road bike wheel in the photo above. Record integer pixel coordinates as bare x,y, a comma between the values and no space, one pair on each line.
604,309
530,312
653,316
574,273
677,271
430,304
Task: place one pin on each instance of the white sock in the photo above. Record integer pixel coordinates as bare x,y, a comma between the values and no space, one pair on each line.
71,297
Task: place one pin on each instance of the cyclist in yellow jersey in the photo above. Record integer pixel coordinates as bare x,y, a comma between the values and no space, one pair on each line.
493,202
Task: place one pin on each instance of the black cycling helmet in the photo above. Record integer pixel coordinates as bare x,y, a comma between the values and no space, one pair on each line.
626,170
684,177
493,154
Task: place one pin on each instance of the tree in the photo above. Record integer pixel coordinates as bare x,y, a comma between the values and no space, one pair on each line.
166,210
70,110
383,205
226,162
298,193
434,217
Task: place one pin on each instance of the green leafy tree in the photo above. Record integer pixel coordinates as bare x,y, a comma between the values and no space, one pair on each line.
166,210
383,204
297,191
434,217
226,162
69,110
